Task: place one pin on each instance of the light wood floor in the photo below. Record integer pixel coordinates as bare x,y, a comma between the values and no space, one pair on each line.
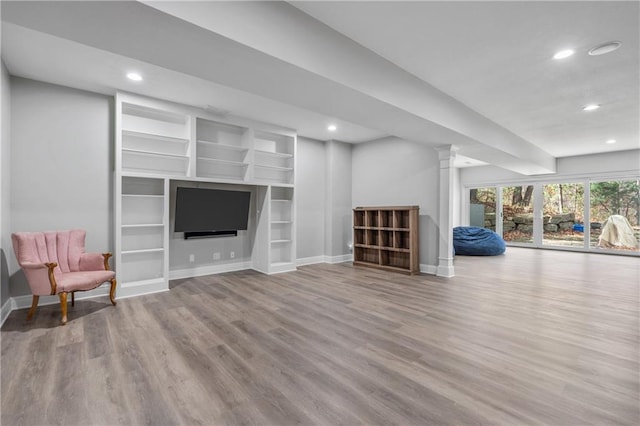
533,337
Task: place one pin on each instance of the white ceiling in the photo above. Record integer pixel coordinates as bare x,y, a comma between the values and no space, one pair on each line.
276,64
496,57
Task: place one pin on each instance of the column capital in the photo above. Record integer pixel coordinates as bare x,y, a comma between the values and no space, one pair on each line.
446,152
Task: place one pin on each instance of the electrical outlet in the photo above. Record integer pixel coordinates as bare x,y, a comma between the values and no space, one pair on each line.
232,254
192,258
216,256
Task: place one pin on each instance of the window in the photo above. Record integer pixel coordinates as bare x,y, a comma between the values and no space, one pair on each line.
517,214
482,207
602,215
615,215
563,215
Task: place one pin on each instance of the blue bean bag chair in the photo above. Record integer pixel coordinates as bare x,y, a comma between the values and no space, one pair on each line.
476,241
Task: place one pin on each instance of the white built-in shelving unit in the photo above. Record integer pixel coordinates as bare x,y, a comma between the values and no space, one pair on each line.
282,231
157,142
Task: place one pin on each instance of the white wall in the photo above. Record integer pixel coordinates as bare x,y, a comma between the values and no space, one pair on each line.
61,164
398,172
310,199
6,252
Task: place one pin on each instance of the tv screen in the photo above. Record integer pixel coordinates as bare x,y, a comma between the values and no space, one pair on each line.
204,210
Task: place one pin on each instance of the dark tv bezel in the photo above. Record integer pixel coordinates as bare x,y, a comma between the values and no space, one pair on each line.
204,233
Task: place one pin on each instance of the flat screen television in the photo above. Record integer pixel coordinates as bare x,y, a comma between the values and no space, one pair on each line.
202,212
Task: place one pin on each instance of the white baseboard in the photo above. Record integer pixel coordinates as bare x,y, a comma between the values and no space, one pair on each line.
310,260
21,302
339,259
208,270
6,310
428,269
284,267
324,259
140,288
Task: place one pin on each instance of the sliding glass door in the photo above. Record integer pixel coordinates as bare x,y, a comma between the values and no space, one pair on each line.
598,215
563,215
615,215
517,214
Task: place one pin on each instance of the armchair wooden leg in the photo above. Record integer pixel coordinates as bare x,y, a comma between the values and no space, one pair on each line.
63,306
112,292
73,298
34,305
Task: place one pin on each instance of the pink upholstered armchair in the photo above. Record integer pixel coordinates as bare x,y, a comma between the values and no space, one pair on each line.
55,263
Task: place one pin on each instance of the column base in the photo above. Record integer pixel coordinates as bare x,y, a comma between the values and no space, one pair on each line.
445,268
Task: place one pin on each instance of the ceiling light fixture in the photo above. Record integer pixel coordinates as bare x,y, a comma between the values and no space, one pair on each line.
591,107
332,127
134,76
563,54
607,47
611,141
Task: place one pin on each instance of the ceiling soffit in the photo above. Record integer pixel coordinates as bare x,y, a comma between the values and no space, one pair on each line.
360,86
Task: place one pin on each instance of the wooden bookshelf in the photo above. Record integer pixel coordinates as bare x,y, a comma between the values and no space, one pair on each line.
386,238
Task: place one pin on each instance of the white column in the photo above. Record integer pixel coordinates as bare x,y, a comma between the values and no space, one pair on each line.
446,155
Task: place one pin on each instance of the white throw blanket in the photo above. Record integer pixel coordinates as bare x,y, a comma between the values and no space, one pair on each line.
617,232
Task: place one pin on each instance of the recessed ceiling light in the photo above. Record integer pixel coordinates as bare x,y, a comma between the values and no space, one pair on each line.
563,54
332,127
607,47
611,141
134,76
591,107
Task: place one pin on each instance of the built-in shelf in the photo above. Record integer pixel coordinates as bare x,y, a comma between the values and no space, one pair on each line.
154,162
159,142
215,160
274,154
218,145
156,153
151,250
143,225
179,142
279,168
143,196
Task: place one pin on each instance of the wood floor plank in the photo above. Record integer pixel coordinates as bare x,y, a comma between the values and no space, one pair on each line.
531,337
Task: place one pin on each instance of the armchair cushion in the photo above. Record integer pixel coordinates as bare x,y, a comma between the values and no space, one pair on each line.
84,280
91,262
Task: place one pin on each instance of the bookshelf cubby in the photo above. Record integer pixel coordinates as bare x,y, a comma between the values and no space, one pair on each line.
273,157
222,150
154,141
141,240
387,238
